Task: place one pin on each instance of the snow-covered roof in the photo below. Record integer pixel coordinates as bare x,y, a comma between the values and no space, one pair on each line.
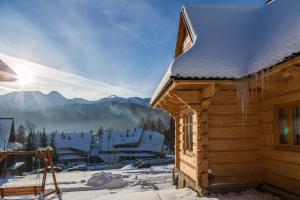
80,141
126,137
15,146
232,42
5,130
6,74
147,141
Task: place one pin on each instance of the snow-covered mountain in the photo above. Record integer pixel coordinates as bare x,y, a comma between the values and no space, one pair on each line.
35,100
55,112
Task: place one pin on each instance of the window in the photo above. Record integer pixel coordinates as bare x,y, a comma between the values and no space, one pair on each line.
288,118
188,132
283,126
296,125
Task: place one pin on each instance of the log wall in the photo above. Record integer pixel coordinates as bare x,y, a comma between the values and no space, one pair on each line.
280,167
233,141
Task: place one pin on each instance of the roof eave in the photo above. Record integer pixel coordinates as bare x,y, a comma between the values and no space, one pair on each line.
162,91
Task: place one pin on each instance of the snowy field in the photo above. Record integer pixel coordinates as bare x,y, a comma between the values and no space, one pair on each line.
127,183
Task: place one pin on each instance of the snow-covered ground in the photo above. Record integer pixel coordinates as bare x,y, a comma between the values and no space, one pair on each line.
129,183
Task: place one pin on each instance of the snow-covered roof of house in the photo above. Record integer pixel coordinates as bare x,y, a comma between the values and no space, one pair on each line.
15,146
147,141
127,137
6,74
233,42
5,130
80,141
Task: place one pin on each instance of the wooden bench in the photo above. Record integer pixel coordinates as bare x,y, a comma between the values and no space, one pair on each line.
28,190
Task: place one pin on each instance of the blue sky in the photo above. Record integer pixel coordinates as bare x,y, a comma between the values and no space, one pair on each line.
119,45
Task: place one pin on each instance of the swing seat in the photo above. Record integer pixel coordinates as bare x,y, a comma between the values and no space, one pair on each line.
13,191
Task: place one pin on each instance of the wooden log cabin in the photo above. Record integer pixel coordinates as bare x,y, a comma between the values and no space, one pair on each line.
233,89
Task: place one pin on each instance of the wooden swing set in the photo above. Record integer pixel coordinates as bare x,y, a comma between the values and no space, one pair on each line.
45,155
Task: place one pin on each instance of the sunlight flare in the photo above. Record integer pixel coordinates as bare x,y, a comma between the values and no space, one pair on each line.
25,76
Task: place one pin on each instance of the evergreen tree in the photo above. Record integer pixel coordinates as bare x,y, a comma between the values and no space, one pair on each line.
30,146
53,145
147,123
29,127
100,131
160,127
170,136
43,139
152,126
12,137
21,134
141,123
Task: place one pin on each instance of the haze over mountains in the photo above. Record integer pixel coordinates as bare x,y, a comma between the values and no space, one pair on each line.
55,112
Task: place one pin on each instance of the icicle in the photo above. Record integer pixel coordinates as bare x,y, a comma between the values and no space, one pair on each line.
243,98
262,86
256,83
267,78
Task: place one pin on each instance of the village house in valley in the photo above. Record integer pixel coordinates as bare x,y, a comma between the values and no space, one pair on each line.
233,89
72,148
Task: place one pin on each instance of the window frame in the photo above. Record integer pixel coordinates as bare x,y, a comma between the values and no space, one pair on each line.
188,135
290,124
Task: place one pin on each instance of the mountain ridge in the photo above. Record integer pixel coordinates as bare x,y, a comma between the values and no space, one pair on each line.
36,100
55,112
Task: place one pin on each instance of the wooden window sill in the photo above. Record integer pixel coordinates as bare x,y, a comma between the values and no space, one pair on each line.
287,148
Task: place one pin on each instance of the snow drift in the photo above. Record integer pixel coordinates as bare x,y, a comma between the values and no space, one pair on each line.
106,180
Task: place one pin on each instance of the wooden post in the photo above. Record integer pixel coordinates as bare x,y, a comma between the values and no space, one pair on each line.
45,154
177,126
206,97
52,171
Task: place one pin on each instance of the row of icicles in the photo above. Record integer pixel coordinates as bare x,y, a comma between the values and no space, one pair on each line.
250,86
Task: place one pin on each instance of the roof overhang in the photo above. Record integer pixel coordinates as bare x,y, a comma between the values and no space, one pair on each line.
6,73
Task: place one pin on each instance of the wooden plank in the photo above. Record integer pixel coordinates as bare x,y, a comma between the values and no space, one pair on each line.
188,159
284,156
284,98
177,140
204,180
234,157
233,145
284,169
231,109
193,96
267,140
232,121
230,98
237,180
16,191
287,184
233,132
266,116
209,91
188,170
267,128
235,170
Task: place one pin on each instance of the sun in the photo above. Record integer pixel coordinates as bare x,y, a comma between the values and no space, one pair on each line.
25,76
